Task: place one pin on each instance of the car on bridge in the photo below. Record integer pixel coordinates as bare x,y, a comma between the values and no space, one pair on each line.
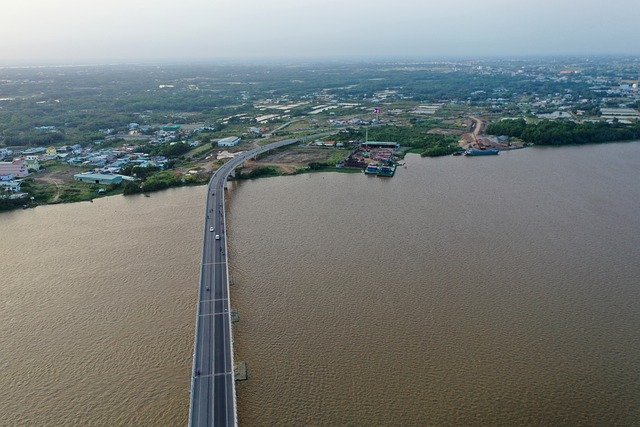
211,229
217,237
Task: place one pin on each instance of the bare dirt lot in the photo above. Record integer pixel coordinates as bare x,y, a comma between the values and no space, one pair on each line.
289,161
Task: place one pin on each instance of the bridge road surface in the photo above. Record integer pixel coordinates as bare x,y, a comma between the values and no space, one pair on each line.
213,401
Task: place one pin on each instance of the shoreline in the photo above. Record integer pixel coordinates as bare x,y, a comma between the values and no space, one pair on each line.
119,191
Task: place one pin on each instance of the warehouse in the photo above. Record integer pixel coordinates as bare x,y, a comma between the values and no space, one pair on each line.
231,141
98,178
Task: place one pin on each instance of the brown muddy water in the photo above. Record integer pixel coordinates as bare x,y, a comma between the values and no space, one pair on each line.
494,290
97,312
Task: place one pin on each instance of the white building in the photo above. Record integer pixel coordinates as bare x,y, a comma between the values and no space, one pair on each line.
13,186
620,113
230,141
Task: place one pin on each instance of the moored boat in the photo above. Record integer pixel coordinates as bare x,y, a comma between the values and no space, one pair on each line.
372,169
387,170
476,152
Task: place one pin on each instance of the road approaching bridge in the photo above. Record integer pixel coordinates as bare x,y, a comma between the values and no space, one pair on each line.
213,397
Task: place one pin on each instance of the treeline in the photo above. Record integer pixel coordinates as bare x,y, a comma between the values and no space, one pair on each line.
166,149
8,204
155,182
442,148
161,180
33,138
259,172
547,132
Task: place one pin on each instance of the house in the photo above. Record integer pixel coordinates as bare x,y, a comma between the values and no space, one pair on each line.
13,186
17,168
32,164
99,160
98,178
230,141
37,150
52,152
5,152
259,130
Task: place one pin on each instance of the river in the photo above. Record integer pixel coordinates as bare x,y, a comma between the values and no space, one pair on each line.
494,290
97,310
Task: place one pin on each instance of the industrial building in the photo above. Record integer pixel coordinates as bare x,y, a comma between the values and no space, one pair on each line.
620,113
380,144
98,178
230,141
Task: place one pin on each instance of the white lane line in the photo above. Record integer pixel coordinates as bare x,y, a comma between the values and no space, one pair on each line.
214,263
213,314
201,355
213,345
212,300
216,375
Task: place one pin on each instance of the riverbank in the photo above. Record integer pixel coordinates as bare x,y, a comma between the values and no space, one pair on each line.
44,192
74,192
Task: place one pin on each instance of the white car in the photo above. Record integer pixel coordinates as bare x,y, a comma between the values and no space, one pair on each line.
210,228
217,237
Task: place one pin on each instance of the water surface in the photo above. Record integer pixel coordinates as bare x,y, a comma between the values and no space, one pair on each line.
97,308
462,291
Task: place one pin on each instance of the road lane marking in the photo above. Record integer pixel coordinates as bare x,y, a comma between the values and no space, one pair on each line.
213,314
220,374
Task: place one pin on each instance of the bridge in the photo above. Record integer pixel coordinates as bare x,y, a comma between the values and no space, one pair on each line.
213,397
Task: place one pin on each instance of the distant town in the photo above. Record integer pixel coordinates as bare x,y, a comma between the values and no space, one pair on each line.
76,133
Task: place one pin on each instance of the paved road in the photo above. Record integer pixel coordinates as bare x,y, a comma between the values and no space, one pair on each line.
213,401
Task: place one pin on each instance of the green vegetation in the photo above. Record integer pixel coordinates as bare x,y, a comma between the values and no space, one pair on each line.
159,180
7,204
139,171
337,156
260,172
547,132
154,182
166,149
79,191
442,149
41,192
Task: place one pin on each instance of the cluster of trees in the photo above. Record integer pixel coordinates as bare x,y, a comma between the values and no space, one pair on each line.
33,138
155,182
167,149
260,172
139,171
547,132
8,204
445,147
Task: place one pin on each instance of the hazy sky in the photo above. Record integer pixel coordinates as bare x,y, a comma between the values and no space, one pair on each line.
59,31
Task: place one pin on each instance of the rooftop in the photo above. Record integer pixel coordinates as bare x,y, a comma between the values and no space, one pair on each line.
93,175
